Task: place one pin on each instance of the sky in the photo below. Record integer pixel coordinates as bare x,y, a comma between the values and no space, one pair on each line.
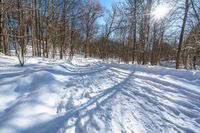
108,3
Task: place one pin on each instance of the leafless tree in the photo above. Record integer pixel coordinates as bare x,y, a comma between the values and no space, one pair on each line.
187,5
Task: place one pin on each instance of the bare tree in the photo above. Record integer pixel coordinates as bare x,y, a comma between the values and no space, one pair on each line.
187,5
91,12
112,24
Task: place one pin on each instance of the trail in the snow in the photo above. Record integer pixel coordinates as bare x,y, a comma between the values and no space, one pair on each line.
103,98
107,98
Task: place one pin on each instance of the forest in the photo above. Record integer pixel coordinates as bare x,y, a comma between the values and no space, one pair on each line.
99,66
132,31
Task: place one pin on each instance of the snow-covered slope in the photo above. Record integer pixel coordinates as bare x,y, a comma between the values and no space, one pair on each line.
89,96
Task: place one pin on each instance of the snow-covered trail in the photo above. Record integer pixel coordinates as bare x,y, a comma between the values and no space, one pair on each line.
50,97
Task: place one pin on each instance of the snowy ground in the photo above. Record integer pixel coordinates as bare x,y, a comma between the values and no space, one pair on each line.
89,96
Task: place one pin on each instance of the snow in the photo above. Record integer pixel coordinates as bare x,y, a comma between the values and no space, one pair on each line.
91,96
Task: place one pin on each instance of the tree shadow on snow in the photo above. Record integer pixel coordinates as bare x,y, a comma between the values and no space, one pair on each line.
86,109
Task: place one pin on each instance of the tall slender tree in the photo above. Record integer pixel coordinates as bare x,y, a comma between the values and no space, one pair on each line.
1,26
187,5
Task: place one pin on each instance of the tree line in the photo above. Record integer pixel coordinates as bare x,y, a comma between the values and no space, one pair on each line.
130,32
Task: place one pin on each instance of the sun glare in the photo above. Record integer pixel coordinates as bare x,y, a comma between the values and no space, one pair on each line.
160,12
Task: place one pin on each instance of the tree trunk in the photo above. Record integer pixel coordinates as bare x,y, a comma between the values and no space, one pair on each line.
135,31
1,27
182,34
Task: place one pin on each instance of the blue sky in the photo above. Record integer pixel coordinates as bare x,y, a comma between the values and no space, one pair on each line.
107,3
